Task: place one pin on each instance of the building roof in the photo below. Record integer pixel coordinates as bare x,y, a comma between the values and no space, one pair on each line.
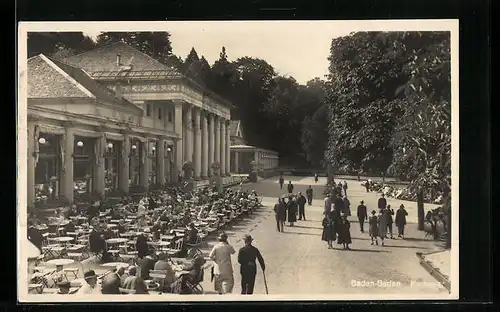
104,59
49,78
101,64
236,128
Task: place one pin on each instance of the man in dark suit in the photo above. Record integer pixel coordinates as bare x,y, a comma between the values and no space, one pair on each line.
309,194
246,258
339,203
362,215
382,202
301,201
290,187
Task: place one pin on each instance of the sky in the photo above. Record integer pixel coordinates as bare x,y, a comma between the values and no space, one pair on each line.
297,49
294,48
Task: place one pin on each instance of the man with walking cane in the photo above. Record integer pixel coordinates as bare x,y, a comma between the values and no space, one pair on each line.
246,257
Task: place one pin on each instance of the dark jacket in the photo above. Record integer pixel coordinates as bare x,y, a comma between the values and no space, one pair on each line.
389,214
382,203
246,258
145,264
309,192
301,201
135,283
339,204
362,214
401,217
35,236
292,211
290,188
111,284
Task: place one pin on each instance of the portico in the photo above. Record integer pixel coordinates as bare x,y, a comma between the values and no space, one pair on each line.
125,127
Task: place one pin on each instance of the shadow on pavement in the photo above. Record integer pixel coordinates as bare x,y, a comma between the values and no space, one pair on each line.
301,233
308,227
365,250
409,247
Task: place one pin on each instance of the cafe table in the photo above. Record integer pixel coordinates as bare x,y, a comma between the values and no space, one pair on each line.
112,241
112,225
63,239
129,234
115,264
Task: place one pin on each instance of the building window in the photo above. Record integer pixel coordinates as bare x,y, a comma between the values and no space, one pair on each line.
170,117
159,113
148,110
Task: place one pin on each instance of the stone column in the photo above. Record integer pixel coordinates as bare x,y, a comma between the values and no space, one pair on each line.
125,163
228,149
211,143
178,143
204,150
31,164
99,168
236,163
222,147
217,139
160,161
67,180
188,141
144,165
197,145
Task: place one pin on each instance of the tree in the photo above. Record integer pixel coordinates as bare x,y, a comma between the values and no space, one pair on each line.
58,43
314,136
155,44
389,105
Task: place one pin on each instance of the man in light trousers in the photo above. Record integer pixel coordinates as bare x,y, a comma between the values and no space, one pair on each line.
223,267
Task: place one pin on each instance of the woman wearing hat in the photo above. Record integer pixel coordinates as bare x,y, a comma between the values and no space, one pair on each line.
373,227
344,233
223,267
329,234
248,266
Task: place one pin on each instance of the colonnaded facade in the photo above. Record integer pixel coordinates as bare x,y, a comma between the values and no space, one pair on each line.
112,119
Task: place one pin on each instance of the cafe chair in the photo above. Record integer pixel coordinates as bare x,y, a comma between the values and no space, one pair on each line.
172,252
72,271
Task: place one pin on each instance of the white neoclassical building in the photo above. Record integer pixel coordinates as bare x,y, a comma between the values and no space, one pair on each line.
114,118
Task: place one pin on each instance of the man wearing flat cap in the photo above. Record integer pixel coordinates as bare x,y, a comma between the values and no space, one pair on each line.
246,258
90,286
223,267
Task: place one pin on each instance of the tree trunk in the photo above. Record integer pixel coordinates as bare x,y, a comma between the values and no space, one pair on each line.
420,210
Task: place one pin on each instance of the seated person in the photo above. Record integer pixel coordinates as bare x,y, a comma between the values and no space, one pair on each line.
35,235
72,212
163,265
157,230
195,268
152,203
90,286
121,227
106,231
192,234
112,281
70,227
93,211
144,265
97,244
164,216
134,282
64,287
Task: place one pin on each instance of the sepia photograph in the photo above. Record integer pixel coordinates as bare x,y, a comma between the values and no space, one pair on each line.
237,161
